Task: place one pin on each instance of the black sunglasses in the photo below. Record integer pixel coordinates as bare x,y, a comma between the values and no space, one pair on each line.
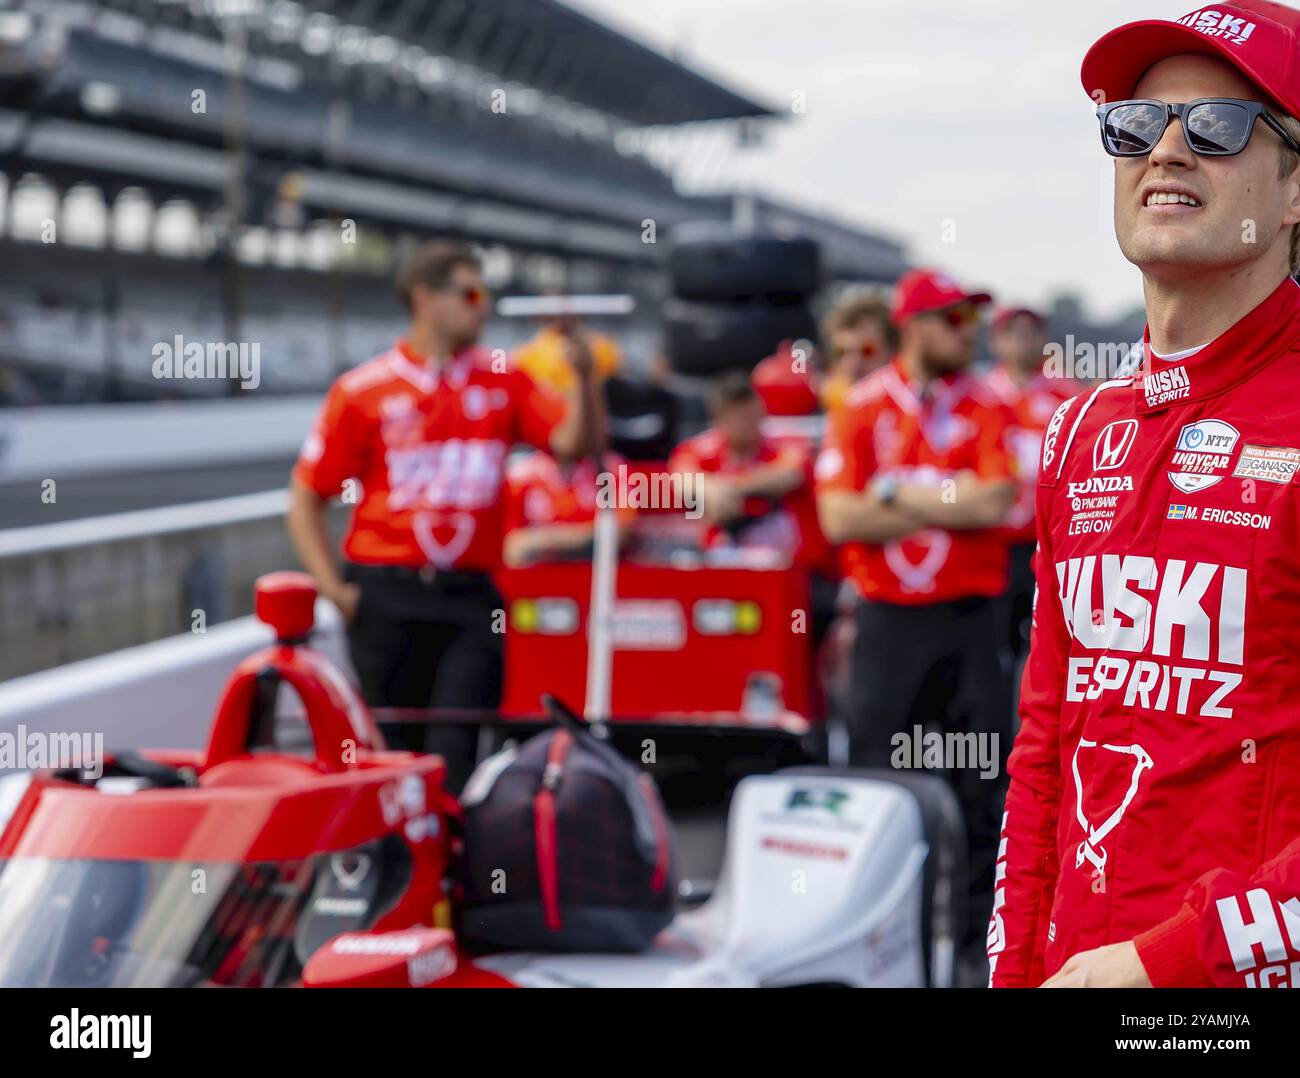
1212,126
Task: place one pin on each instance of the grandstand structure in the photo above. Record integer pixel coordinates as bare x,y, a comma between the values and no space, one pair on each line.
248,170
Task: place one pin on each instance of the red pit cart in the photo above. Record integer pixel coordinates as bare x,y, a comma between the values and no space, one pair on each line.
695,640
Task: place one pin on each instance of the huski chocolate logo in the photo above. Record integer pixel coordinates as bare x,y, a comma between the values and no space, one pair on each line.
1161,387
1213,23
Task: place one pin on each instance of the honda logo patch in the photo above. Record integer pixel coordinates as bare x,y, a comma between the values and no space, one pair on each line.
1112,446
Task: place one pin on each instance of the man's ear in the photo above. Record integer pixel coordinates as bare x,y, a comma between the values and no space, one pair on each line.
1292,214
421,294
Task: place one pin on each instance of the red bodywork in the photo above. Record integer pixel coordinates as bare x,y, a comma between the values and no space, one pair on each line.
265,808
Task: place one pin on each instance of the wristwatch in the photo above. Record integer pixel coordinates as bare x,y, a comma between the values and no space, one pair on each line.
886,489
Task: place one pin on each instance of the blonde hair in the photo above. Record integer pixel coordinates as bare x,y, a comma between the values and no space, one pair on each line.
1287,162
855,308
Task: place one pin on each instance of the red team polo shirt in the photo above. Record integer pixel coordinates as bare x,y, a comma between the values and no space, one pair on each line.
885,427
543,492
429,448
791,528
1031,409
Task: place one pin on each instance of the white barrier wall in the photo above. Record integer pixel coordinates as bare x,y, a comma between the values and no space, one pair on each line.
96,439
87,587
159,695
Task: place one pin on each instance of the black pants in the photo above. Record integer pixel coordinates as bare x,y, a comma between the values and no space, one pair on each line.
941,667
1018,604
1019,598
420,643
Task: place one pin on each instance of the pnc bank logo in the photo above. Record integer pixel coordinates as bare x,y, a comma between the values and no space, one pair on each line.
1112,446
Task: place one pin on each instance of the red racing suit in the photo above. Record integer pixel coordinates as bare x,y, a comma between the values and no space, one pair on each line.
1155,780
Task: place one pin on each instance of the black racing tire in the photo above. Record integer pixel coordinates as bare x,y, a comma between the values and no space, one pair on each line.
712,262
705,339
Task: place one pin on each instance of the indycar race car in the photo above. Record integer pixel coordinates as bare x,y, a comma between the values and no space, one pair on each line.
254,864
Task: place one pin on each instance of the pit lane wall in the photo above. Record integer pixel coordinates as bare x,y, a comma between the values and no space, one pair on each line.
76,440
82,588
158,695
75,589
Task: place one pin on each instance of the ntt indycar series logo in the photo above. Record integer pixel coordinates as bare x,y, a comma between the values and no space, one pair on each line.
1202,454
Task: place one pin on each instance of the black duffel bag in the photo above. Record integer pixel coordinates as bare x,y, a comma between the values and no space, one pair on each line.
566,847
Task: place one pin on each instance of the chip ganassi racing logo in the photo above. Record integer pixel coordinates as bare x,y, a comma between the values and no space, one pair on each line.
1183,623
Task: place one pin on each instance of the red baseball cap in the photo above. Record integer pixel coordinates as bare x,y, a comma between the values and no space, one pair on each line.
784,389
1258,38
1005,314
921,290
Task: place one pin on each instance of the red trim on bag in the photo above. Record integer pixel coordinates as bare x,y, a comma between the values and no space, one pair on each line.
660,876
544,830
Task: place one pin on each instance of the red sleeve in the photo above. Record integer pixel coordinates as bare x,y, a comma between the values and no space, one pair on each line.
538,412
335,449
1027,862
847,457
515,517
995,459
683,459
792,455
1232,931
695,455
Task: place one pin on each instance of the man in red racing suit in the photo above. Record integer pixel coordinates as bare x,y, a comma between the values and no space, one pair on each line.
1151,832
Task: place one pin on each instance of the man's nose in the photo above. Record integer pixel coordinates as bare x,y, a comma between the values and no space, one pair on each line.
1172,148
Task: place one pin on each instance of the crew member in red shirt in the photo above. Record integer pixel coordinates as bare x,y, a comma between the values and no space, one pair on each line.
859,337
1018,337
914,480
756,492
551,507
417,437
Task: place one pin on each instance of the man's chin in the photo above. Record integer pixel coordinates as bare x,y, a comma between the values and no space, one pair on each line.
1172,259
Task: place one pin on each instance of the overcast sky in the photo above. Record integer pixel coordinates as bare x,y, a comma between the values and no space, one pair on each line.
922,116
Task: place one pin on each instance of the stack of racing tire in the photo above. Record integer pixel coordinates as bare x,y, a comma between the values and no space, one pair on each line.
736,296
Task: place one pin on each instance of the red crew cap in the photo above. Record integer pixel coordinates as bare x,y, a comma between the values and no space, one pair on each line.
1258,38
921,290
784,389
1005,314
